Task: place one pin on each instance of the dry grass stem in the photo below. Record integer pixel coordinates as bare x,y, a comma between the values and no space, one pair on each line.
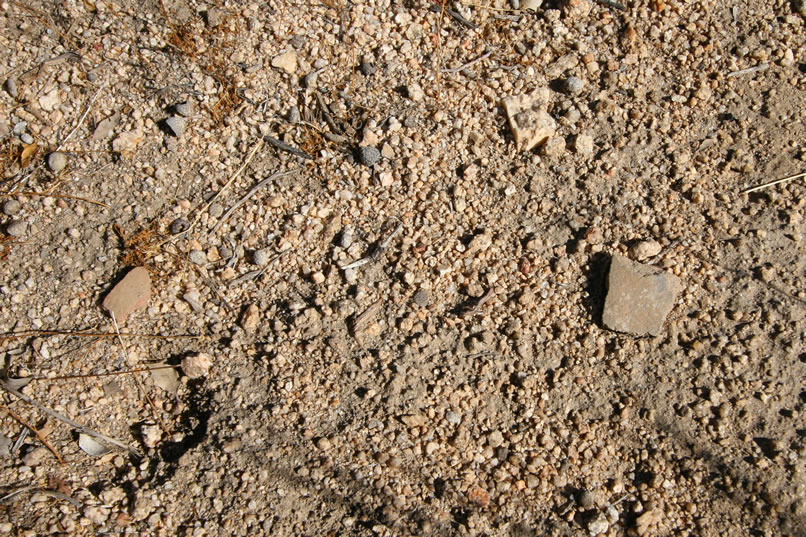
773,183
35,431
31,333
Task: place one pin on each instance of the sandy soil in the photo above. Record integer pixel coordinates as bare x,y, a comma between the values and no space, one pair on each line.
371,311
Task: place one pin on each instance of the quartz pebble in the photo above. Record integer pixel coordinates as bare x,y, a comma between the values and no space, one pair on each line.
57,161
583,144
639,297
130,294
415,92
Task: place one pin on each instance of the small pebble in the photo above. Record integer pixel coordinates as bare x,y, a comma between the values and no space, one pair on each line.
261,257
176,125
57,161
495,439
11,88
26,138
323,444
347,236
250,318
286,62
598,525
583,144
453,418
215,210
367,68
421,298
530,5
198,257
184,109
368,155
11,207
573,85
180,225
585,499
644,250
197,365
294,115
16,228
309,81
415,92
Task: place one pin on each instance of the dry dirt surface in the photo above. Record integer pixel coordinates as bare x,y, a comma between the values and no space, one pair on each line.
367,306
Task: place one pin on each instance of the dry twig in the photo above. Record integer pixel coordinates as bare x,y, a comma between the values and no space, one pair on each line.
749,70
287,148
46,194
773,183
368,313
36,432
207,205
248,195
30,333
376,253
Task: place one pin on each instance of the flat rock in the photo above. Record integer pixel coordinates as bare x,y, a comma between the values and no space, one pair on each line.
130,294
639,297
531,124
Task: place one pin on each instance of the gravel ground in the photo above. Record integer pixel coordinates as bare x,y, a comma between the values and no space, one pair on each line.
379,311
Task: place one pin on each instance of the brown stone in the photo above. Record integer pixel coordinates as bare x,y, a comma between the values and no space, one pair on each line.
639,297
130,294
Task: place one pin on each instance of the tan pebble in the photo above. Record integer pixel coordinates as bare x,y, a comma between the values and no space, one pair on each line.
644,250
197,365
286,62
323,443
250,318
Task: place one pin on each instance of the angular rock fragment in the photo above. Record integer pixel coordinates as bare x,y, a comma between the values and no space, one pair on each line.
286,62
639,297
530,123
197,365
132,293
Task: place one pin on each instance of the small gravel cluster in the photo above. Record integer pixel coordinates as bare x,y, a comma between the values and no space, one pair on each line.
371,309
